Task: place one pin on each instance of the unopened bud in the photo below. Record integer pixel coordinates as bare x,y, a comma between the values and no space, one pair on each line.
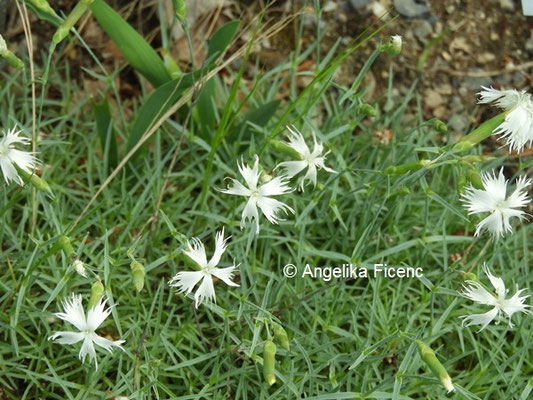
97,291
137,273
439,126
367,110
407,167
280,335
429,357
71,20
393,47
269,362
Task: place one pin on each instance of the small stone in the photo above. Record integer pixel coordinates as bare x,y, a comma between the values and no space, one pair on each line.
440,112
422,29
494,36
486,57
432,98
507,5
330,6
412,8
444,89
378,9
460,43
458,123
359,4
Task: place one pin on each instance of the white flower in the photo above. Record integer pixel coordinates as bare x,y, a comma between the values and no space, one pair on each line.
186,280
311,161
259,196
493,200
475,292
79,267
75,315
518,125
9,156
396,41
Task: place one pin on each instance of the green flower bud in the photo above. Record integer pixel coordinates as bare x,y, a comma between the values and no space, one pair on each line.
468,276
280,335
407,167
367,110
474,178
137,273
269,362
393,47
429,357
439,126
97,291
66,247
180,8
71,20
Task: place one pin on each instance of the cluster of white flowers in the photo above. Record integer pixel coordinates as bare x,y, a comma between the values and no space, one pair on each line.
517,129
259,196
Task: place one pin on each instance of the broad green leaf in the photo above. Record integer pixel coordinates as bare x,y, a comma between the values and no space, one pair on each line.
139,54
205,108
106,132
158,103
221,39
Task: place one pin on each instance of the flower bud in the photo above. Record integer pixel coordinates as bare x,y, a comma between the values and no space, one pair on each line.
180,8
137,273
269,362
393,47
407,167
280,335
367,110
439,126
36,181
429,357
71,20
97,291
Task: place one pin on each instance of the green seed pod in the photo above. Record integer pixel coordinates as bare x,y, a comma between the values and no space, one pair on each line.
479,134
269,362
71,20
137,273
280,335
367,110
429,357
439,126
97,291
407,167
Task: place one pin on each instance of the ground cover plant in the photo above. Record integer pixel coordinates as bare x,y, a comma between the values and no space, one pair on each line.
207,239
